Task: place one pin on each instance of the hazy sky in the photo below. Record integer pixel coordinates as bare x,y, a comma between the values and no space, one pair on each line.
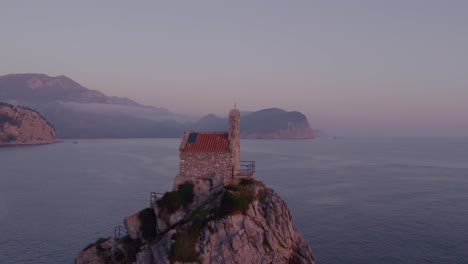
358,68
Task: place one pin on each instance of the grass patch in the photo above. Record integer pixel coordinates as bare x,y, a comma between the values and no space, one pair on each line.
185,240
201,213
172,201
183,249
148,224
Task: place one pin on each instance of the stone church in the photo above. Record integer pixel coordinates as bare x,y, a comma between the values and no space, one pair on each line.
210,160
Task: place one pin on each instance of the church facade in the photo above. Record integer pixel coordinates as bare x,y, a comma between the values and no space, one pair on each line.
210,159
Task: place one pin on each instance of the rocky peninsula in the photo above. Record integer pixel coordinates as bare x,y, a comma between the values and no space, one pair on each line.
216,213
245,222
24,126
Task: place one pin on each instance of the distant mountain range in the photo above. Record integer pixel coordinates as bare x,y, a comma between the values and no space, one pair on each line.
272,123
79,112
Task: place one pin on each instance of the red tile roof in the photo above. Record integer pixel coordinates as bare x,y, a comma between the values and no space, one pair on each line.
208,141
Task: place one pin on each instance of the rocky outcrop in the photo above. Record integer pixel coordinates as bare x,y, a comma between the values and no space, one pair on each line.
22,126
264,234
246,222
275,123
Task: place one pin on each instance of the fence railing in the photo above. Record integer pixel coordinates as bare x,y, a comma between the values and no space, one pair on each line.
120,231
246,169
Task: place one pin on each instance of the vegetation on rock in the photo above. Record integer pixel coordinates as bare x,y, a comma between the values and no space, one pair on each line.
185,239
237,198
173,201
246,217
148,224
7,119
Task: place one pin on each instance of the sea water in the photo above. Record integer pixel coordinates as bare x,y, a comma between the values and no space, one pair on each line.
354,200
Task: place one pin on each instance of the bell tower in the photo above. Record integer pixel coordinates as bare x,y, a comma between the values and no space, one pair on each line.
234,131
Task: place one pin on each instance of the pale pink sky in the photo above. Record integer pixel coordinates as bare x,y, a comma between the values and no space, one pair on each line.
365,68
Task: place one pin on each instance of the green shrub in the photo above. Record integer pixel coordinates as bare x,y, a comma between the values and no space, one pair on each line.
246,182
169,202
233,202
148,224
185,192
232,187
172,201
128,250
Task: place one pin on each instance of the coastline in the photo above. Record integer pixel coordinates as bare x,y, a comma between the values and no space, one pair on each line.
20,144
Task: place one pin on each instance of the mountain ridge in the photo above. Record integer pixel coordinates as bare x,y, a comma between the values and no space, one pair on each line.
38,87
80,112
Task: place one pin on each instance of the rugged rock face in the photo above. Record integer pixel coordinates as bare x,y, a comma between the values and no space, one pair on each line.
20,126
265,234
244,223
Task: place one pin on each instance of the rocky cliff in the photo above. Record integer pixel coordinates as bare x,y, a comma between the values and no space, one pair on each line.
20,126
245,222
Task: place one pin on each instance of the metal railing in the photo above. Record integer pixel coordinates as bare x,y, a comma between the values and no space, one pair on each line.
120,231
247,169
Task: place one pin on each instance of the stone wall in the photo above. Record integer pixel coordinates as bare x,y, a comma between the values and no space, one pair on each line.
202,187
204,164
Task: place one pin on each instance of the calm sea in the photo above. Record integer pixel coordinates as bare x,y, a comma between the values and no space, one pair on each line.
354,200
